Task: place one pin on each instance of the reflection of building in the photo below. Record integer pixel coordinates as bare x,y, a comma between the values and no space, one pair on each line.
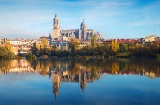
150,74
83,80
64,76
56,78
18,66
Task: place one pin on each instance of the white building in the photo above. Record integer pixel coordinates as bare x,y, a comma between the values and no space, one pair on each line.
15,41
150,38
60,45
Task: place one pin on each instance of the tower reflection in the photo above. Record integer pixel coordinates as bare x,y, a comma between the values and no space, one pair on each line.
82,72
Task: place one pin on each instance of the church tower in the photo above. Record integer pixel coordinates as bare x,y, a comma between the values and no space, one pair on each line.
56,28
83,30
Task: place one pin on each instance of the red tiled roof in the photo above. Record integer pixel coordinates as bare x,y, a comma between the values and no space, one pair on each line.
60,41
124,41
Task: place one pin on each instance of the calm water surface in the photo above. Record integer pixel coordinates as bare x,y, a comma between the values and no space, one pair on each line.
71,82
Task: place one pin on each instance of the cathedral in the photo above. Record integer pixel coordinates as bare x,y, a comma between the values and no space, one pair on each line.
82,33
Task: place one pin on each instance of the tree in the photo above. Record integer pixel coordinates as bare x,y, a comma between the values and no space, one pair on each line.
2,52
131,47
94,41
114,47
44,43
73,43
35,50
8,46
123,48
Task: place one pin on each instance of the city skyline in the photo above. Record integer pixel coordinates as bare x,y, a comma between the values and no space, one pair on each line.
113,19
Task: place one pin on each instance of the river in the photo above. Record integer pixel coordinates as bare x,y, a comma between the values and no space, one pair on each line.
80,82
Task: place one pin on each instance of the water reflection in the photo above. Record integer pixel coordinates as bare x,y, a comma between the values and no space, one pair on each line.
70,69
80,71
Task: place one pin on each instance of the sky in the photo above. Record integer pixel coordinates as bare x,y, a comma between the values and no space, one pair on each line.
111,18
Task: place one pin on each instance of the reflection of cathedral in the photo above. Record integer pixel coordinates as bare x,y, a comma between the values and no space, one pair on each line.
81,72
56,78
83,80
83,33
65,76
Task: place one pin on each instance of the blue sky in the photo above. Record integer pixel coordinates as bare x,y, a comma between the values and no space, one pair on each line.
111,18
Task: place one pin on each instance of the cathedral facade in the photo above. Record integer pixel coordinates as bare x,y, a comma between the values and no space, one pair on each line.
82,33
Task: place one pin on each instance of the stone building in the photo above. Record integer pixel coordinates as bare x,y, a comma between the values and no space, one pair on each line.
82,33
42,42
60,45
56,28
150,38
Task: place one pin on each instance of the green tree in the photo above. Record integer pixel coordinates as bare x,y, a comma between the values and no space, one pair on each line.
94,41
73,43
2,52
123,48
35,50
131,47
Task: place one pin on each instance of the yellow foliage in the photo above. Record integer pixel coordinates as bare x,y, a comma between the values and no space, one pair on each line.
8,46
44,42
115,68
38,46
115,46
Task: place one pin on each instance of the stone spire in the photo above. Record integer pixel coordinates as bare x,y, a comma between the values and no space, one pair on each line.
56,28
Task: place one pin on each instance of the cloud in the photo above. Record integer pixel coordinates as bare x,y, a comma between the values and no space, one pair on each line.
113,17
148,15
25,23
10,32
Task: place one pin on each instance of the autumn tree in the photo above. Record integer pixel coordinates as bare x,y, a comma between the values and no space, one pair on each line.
8,46
44,42
73,43
2,52
114,47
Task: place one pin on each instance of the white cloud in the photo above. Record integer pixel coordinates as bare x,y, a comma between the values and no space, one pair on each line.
35,18
11,32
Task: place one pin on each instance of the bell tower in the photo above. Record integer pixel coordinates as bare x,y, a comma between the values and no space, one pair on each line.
83,30
56,28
